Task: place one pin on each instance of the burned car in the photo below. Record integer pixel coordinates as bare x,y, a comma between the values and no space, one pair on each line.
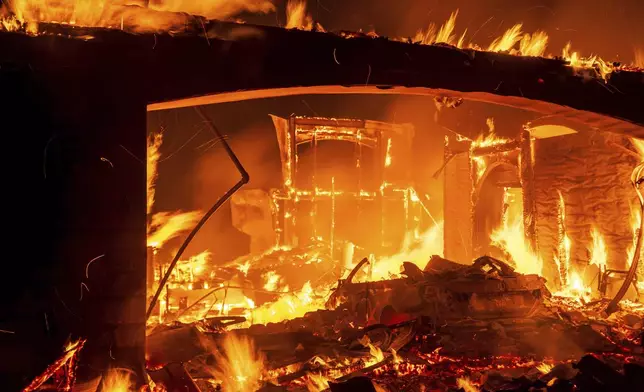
444,291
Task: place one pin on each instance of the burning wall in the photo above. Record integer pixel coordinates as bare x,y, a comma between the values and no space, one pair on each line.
573,188
592,171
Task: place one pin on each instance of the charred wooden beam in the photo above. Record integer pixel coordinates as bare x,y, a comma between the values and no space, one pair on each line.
253,58
509,146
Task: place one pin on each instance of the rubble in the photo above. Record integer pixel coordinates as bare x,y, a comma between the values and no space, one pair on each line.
431,333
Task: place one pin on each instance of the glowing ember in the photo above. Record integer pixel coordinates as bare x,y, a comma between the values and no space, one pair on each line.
67,360
240,367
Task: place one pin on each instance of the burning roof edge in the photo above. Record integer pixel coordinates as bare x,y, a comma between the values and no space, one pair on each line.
236,61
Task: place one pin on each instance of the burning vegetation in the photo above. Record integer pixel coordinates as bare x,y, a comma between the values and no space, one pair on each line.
352,284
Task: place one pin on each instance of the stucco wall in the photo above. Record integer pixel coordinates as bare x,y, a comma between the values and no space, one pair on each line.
594,177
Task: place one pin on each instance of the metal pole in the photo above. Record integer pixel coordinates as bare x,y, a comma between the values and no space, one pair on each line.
244,180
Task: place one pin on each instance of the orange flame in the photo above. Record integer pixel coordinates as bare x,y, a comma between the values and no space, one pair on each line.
153,154
240,367
545,368
534,44
413,250
291,305
297,17
376,353
639,58
135,15
511,238
599,254
316,382
490,139
507,41
592,62
168,225
429,36
118,380
467,385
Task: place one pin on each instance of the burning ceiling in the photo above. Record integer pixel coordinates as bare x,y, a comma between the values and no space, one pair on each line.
323,311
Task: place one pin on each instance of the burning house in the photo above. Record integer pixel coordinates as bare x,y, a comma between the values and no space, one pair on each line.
546,189
350,283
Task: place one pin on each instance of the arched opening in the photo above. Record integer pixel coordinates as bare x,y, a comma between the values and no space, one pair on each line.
498,200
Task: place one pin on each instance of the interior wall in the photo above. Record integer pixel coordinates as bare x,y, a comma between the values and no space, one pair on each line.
593,174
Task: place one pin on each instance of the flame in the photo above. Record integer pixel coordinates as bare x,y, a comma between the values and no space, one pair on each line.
562,259
272,280
444,35
291,305
194,266
243,268
316,382
417,251
534,44
163,225
466,384
135,15
118,380
598,255
297,17
507,41
545,368
388,154
639,58
168,225
375,352
639,146
480,165
491,139
153,154
240,367
511,238
592,62
575,289
635,227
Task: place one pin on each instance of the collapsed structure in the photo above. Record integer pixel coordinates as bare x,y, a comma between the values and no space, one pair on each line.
94,163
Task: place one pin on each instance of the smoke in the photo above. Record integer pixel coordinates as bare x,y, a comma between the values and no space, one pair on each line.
214,173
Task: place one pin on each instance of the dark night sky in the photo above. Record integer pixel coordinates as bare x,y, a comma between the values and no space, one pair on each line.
193,177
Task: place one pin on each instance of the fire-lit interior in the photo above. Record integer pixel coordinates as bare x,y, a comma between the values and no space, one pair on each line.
378,240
